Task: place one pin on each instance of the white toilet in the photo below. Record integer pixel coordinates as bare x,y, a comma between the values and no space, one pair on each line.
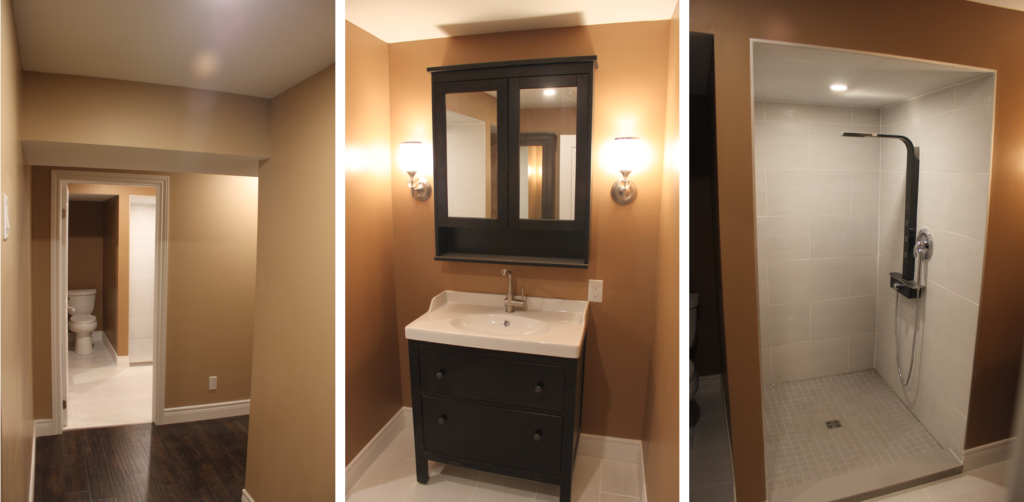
82,322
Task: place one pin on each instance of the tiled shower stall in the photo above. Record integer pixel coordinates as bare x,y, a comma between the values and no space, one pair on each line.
829,231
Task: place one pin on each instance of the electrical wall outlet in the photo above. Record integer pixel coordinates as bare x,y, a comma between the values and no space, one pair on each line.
595,291
213,383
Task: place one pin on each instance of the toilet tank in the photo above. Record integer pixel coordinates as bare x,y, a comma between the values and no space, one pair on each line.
82,300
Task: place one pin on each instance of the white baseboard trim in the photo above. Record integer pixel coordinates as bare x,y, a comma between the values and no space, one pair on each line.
32,472
44,427
206,412
362,462
122,361
640,474
246,497
608,447
987,454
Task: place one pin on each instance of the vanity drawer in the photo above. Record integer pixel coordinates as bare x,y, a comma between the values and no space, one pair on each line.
508,438
495,380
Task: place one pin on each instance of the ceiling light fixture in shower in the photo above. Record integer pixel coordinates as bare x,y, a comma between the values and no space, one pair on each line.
838,87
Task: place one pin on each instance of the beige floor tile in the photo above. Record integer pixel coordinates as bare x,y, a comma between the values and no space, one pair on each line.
450,484
966,489
497,488
619,478
611,497
402,446
911,496
389,479
586,482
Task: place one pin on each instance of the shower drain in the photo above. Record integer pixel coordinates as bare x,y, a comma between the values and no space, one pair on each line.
833,424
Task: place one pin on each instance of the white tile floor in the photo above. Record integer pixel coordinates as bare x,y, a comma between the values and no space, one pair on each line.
140,349
101,395
392,478
711,457
986,484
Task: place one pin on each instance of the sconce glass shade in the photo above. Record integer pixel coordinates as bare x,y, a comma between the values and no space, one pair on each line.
412,158
625,153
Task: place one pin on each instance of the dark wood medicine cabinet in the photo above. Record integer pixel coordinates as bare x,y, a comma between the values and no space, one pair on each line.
512,156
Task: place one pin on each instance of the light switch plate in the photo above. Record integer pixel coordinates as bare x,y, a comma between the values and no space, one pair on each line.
213,383
595,291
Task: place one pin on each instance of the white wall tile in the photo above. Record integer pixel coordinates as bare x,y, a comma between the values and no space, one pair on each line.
829,149
866,116
842,317
788,323
892,199
960,325
976,92
862,275
780,145
817,358
766,366
894,152
891,239
808,192
935,308
946,424
760,192
797,112
959,141
806,280
782,238
957,263
758,110
970,198
862,351
762,284
864,191
934,198
843,235
930,104
891,114
946,371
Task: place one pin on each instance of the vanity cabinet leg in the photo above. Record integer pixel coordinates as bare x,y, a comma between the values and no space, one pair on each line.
565,490
422,471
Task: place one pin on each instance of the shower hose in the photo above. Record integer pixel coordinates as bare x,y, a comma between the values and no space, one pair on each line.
917,322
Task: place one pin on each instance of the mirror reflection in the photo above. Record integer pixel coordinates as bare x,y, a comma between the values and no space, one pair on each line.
547,153
472,135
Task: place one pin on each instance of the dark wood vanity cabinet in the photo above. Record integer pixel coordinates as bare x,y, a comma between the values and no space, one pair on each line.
512,161
503,412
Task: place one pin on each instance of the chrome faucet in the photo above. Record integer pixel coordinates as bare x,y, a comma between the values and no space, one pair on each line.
511,300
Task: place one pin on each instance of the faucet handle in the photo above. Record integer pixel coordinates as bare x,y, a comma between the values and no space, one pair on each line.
504,272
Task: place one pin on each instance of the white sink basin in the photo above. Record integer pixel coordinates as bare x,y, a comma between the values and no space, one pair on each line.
500,325
546,327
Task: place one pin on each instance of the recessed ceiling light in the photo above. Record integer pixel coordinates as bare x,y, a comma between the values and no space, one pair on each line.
549,92
838,87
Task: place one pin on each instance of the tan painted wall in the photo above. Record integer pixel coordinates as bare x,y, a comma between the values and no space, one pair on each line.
115,258
956,32
85,251
373,392
211,287
15,284
661,413
629,100
291,421
99,111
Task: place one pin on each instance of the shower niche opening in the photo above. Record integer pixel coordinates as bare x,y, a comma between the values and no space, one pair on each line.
872,206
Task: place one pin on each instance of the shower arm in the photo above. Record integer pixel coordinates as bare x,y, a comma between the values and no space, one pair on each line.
909,285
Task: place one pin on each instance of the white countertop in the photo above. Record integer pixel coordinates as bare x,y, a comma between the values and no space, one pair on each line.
546,327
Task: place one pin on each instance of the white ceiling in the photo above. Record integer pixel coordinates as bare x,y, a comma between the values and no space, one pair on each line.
404,20
804,74
1006,4
252,47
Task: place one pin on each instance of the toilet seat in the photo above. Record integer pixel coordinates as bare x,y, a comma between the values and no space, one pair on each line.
83,318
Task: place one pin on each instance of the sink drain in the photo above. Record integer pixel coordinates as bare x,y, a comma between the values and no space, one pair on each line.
505,323
833,424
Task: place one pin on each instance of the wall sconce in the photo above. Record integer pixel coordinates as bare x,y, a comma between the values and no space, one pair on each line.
412,157
626,153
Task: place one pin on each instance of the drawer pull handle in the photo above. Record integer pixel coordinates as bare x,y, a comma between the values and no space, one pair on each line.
536,437
442,419
539,388
440,374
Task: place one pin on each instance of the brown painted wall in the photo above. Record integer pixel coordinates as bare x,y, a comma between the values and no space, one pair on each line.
100,111
15,282
211,285
291,421
661,413
373,392
85,251
955,32
629,100
115,258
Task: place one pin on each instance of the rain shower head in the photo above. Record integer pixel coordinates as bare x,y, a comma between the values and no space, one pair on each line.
859,134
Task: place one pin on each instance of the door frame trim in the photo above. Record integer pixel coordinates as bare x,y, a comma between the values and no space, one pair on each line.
59,273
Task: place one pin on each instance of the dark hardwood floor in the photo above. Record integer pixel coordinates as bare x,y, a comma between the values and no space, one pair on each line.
195,461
